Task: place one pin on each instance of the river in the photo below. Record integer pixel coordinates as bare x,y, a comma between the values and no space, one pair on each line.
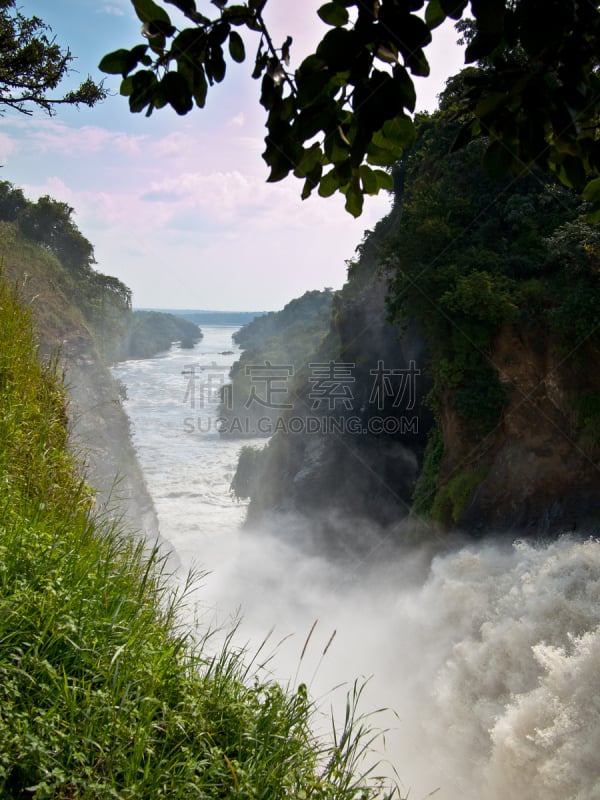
488,657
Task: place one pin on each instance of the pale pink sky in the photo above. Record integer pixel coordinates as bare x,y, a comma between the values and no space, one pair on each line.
178,207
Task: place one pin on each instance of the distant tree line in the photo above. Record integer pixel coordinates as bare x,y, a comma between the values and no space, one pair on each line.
104,300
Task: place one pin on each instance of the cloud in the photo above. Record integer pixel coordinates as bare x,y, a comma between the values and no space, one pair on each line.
110,9
7,146
238,121
56,137
89,139
224,193
53,186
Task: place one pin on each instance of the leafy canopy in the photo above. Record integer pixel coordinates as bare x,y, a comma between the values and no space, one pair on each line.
32,65
471,255
342,118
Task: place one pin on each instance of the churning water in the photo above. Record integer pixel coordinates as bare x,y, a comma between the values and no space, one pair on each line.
489,655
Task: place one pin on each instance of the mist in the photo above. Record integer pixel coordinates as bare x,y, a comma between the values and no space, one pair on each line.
486,656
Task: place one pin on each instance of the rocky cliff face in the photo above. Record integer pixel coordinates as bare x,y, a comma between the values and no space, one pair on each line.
537,473
540,467
100,435
502,277
362,462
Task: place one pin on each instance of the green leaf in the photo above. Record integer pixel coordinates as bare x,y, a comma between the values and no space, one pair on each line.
190,45
338,49
280,168
573,174
336,146
409,34
380,99
368,179
434,14
387,53
333,14
115,63
188,7
592,191
126,87
453,8
177,92
381,157
312,181
238,15
270,94
215,64
260,64
310,158
329,183
219,33
194,75
405,87
384,180
490,16
483,45
200,87
399,132
279,154
354,197
148,11
236,47
418,64
143,87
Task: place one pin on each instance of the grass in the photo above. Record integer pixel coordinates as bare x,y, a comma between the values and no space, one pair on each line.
453,498
102,693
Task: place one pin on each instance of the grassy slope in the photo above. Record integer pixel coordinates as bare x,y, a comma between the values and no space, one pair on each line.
101,695
44,284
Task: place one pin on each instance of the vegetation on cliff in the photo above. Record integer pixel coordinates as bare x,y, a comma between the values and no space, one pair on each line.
147,333
43,250
276,350
472,257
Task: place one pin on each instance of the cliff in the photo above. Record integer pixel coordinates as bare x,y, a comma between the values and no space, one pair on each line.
540,465
485,294
69,327
352,446
100,436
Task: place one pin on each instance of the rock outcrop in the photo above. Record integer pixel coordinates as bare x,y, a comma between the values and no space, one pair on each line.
541,465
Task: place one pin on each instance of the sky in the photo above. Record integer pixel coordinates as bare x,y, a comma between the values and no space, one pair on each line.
178,208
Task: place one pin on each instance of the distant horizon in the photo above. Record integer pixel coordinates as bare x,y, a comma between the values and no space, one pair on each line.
205,310
202,317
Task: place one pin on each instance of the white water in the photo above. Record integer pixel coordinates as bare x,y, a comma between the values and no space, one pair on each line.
489,656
